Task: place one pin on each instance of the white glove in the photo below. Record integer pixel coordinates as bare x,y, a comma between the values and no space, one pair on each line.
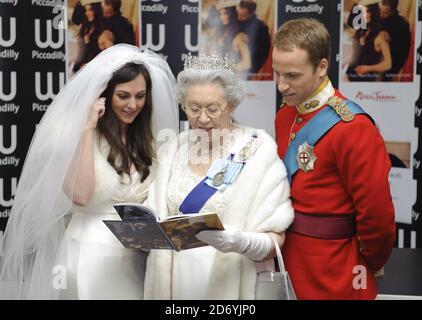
254,245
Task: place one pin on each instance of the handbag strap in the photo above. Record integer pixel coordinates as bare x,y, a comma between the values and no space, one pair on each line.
279,256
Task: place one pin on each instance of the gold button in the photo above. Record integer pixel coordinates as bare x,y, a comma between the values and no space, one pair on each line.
292,136
299,120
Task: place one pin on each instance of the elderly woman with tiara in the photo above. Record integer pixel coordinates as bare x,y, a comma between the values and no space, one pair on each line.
93,148
217,166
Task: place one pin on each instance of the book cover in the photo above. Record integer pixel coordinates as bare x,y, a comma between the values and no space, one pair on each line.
140,228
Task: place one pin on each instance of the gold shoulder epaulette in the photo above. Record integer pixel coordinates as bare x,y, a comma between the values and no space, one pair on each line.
340,107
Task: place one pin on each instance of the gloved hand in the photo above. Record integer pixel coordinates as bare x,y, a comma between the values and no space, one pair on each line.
254,245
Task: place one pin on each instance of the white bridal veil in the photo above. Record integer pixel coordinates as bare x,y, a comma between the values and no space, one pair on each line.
35,227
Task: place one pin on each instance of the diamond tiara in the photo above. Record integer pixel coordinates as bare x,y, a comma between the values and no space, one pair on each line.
208,62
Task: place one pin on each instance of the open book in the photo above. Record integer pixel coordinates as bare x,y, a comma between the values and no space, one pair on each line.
141,228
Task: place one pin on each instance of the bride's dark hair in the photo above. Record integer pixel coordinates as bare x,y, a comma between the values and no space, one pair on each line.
139,148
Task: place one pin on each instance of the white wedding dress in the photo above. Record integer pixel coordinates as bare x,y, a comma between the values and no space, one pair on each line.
96,264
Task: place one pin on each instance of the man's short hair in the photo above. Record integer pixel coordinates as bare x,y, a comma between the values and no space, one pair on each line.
306,34
116,4
391,3
249,5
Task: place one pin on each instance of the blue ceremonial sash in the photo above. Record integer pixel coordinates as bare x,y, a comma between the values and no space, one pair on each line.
196,199
204,190
319,125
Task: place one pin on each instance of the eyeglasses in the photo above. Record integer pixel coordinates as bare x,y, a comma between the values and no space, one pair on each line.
212,111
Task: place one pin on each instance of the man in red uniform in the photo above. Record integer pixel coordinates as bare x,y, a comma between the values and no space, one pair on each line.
344,227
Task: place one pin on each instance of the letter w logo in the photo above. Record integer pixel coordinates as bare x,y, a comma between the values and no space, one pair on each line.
11,95
49,92
4,202
49,36
188,39
148,37
13,140
12,34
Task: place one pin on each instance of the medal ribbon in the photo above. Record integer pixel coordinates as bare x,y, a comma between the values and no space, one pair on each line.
204,190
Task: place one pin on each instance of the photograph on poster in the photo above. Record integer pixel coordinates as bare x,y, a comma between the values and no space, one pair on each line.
399,153
95,25
243,30
378,40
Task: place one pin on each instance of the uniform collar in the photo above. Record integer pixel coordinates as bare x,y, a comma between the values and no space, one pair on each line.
318,98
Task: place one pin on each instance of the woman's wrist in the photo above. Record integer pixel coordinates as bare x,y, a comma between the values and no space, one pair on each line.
89,129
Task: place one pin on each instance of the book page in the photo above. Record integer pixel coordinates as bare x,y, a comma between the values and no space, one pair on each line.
182,229
183,216
129,211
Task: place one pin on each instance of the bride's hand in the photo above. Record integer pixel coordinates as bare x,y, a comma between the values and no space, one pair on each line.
97,111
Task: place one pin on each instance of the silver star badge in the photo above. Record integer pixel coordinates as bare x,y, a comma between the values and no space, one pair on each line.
306,157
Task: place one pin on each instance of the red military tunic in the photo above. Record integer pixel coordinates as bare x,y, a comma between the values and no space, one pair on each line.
350,175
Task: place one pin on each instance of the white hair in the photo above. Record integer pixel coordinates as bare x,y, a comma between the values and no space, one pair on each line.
234,89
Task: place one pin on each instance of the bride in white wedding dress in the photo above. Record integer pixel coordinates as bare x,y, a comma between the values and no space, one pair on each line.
93,148
97,265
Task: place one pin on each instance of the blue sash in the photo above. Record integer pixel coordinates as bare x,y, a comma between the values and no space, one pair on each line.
314,130
196,199
204,190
